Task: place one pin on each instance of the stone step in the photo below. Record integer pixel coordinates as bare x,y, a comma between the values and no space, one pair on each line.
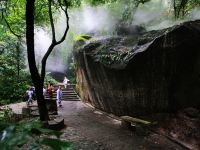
62,85
74,99
66,99
64,88
69,93
63,94
69,97
54,95
66,91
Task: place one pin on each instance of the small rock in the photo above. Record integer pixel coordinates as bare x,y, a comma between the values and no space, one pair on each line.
191,112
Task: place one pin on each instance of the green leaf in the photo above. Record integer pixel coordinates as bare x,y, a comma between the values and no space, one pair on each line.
3,125
34,146
10,139
50,132
83,37
56,144
28,127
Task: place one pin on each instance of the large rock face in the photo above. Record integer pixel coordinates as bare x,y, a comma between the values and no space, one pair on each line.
149,72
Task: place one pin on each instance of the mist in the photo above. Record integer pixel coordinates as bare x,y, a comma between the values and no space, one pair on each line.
157,14
42,42
195,14
154,15
85,20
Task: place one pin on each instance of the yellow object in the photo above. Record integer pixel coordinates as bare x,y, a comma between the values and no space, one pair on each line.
134,120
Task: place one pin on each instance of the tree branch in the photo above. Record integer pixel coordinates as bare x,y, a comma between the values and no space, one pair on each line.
67,23
54,42
9,27
51,22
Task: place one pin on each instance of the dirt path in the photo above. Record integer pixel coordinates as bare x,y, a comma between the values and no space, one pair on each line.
90,129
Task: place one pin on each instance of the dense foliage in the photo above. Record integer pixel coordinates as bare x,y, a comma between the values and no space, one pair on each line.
14,77
30,135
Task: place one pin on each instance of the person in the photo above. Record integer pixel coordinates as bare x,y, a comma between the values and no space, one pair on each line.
34,94
44,92
59,96
65,81
30,96
50,89
48,84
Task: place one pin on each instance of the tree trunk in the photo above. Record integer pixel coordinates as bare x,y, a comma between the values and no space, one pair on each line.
37,81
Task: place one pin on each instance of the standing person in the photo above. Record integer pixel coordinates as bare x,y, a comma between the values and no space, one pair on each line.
44,92
65,81
50,89
59,96
48,85
30,96
34,94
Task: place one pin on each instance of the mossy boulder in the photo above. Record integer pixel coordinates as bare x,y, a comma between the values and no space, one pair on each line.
136,74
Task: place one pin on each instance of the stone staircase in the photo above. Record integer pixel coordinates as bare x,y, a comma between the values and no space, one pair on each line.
69,93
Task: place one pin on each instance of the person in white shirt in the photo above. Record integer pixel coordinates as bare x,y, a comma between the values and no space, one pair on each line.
30,96
59,96
44,92
65,82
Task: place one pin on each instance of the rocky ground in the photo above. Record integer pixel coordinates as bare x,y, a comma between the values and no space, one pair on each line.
183,126
91,129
